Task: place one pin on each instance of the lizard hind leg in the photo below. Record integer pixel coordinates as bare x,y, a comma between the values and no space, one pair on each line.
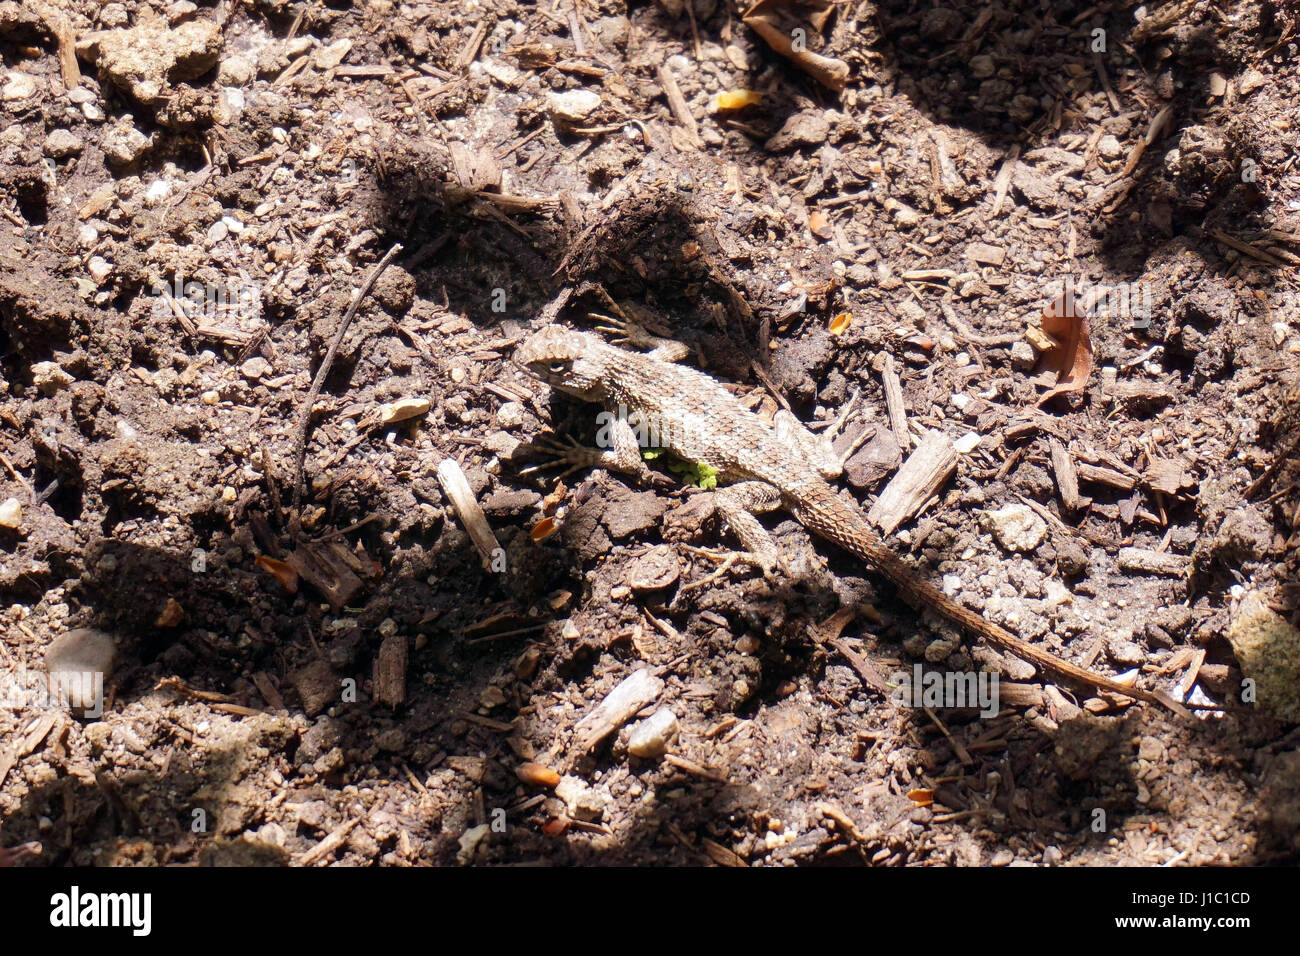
737,504
816,449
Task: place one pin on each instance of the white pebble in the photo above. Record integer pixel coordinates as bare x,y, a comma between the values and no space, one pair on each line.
510,415
11,513
650,737
158,190
1016,527
99,269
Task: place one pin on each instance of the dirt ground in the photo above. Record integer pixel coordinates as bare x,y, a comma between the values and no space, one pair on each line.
192,194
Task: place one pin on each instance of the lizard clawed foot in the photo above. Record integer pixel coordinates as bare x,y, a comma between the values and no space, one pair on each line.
568,452
769,564
623,331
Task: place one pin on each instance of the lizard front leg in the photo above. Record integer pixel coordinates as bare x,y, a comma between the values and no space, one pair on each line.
629,332
619,450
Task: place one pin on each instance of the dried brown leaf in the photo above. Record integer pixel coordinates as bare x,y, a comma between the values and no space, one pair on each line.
1066,322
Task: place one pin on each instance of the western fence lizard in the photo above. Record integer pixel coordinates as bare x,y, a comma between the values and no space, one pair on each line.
651,400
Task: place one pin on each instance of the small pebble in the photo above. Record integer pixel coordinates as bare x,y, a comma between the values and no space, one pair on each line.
403,409
99,269
62,143
510,415
158,190
11,513
1016,527
650,738
49,377
81,652
255,368
1125,652
18,86
572,106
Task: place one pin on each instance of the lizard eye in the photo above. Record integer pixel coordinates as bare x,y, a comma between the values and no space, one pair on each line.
559,368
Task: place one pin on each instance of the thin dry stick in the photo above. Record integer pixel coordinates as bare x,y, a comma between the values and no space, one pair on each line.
304,417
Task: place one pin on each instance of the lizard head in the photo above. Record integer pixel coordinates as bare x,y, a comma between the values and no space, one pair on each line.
565,359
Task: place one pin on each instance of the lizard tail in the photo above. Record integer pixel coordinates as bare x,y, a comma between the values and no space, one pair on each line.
823,513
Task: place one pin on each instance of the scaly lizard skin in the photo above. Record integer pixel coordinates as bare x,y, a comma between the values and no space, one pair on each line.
767,466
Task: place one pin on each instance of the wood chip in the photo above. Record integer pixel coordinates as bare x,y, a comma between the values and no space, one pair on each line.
985,254
1105,476
27,743
1153,562
922,475
389,674
639,689
456,488
268,690
1020,695
894,403
329,844
677,103
1067,479
326,566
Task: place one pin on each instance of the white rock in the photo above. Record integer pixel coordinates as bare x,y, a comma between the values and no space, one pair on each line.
469,841
236,70
1022,355
18,86
79,664
83,649
1016,527
158,190
255,368
582,802
230,104
573,106
967,443
510,415
99,268
11,513
650,738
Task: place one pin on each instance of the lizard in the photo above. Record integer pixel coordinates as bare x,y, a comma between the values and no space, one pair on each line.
760,467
